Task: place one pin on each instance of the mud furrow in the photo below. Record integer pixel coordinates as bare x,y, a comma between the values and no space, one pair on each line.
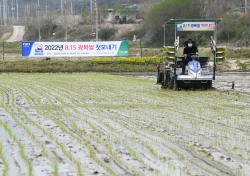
21,136
126,125
178,139
119,166
88,141
87,163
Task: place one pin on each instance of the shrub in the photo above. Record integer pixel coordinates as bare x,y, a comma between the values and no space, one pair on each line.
107,33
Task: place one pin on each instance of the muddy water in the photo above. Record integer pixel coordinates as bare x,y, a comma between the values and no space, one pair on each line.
241,81
99,124
223,81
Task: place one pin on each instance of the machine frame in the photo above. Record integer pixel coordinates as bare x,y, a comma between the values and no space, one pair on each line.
169,71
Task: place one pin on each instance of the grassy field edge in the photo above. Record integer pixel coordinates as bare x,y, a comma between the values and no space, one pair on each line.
44,66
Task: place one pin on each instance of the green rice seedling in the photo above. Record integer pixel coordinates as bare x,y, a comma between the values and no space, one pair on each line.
55,170
138,114
25,158
22,153
6,164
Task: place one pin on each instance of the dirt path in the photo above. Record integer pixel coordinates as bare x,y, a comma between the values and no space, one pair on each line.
99,124
18,33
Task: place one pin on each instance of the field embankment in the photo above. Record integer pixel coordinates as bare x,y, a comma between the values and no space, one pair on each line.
98,124
43,66
145,59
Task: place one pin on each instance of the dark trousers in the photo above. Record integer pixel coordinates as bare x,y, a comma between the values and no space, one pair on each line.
184,63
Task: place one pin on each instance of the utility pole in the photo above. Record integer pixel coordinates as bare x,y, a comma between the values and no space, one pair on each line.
96,20
46,8
0,10
13,11
8,11
61,7
38,18
91,8
66,21
4,13
245,6
17,11
71,8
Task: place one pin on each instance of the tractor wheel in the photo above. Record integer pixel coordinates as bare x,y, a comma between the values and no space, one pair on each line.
160,77
175,85
169,81
163,82
209,85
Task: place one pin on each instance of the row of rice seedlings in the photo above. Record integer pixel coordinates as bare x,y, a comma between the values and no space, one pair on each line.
62,147
157,141
41,143
195,119
84,142
68,154
2,156
232,135
90,147
118,137
111,136
96,129
99,140
222,141
21,148
151,148
24,156
198,136
32,134
93,137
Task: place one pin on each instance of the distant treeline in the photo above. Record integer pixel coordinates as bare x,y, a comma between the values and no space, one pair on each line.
235,27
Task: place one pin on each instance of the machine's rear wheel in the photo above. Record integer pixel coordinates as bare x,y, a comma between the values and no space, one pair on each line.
209,85
175,86
160,77
169,81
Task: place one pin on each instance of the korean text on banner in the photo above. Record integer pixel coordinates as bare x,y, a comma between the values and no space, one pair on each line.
196,26
74,49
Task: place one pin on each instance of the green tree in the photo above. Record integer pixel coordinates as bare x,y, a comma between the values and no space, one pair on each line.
235,28
160,12
106,33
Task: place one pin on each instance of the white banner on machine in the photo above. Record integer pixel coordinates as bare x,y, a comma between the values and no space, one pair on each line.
196,26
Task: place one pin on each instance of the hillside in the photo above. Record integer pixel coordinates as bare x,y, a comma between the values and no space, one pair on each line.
74,20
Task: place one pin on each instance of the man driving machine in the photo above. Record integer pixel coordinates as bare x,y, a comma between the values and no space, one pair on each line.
189,50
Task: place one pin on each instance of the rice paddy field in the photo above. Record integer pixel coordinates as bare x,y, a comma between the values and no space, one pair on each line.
99,124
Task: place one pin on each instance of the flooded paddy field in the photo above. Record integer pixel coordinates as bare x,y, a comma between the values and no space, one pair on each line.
241,81
100,124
